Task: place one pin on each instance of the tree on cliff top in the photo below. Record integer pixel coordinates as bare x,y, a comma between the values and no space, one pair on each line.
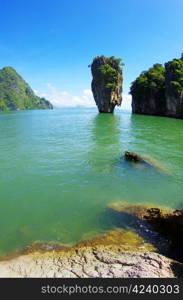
107,82
149,81
110,70
154,80
174,69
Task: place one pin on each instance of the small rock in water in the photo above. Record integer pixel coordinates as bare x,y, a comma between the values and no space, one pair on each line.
145,160
132,156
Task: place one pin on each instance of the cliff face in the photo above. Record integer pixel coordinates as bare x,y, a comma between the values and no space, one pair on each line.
159,91
174,88
154,105
16,94
107,83
147,91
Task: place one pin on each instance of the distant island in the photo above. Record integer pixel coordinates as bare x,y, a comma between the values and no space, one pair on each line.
16,94
159,91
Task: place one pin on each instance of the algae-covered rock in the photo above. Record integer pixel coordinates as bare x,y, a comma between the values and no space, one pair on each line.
107,83
145,160
115,254
141,211
91,262
127,240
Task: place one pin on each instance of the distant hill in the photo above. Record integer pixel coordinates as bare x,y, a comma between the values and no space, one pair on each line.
16,94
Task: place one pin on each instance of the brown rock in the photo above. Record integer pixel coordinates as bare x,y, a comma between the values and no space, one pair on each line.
165,221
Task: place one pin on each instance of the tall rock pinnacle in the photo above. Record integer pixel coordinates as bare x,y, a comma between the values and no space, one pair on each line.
107,83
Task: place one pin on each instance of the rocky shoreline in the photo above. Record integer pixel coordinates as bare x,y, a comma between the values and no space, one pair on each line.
87,262
115,254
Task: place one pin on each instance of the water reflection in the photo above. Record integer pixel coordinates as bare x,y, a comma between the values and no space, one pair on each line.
105,142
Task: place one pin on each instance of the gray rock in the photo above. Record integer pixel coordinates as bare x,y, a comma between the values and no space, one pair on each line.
107,85
100,261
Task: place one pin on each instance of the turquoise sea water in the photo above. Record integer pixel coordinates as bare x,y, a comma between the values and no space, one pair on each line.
60,169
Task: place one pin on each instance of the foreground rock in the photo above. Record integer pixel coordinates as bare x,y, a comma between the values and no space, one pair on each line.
165,221
99,261
106,83
116,254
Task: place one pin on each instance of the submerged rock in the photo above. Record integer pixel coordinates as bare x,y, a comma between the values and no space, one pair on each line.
127,240
107,83
145,160
132,156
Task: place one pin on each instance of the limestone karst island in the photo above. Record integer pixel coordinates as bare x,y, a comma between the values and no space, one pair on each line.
159,91
91,145
16,94
107,83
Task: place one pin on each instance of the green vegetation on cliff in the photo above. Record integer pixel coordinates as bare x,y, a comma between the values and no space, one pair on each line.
111,71
159,91
175,70
15,93
150,82
154,80
107,82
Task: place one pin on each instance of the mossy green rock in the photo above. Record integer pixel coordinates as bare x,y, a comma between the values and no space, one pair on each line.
16,94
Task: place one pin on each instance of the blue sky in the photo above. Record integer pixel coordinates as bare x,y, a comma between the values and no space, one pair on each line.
51,43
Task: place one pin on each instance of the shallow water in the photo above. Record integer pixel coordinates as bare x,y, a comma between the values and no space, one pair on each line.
60,169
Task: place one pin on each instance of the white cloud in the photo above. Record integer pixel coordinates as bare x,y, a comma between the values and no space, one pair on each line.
61,98
87,92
